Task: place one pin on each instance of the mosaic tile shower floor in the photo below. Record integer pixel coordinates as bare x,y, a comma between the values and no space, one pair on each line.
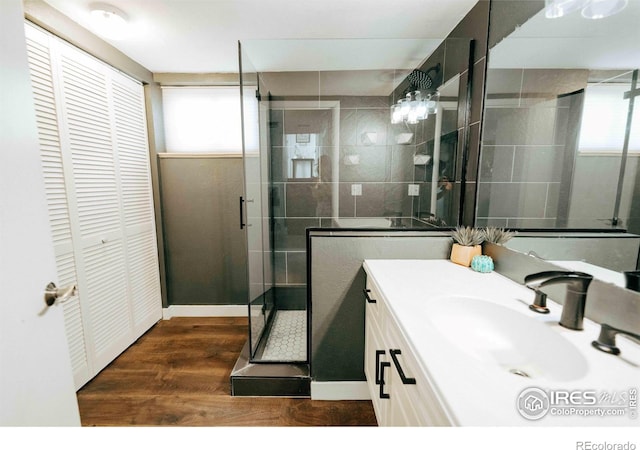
287,340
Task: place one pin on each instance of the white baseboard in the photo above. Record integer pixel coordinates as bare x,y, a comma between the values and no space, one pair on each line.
340,390
205,311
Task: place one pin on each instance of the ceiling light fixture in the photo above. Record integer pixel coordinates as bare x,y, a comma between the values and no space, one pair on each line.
599,9
559,8
109,21
591,9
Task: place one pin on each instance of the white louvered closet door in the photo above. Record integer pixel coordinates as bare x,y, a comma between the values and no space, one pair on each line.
51,152
104,160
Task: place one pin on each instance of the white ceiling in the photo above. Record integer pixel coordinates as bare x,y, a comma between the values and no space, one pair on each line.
201,36
573,42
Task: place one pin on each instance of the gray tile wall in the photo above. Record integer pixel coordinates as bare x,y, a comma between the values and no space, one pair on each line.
385,169
525,144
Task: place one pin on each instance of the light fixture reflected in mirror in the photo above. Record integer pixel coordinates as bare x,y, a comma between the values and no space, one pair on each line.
416,106
591,9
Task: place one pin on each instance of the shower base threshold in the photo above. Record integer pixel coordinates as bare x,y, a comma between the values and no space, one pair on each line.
269,380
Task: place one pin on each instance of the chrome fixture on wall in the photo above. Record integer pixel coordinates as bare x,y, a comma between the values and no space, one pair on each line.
418,102
591,9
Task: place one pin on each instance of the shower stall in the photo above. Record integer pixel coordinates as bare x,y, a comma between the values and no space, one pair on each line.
321,151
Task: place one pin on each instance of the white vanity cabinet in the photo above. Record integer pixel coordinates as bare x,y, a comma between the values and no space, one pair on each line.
399,389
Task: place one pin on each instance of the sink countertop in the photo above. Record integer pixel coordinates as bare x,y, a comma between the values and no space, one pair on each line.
481,394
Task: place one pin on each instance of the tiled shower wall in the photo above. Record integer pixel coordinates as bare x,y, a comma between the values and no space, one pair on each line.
370,158
531,172
528,142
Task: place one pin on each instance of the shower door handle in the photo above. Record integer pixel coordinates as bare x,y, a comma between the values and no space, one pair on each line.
242,224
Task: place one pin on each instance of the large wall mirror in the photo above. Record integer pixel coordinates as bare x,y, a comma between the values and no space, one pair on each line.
561,135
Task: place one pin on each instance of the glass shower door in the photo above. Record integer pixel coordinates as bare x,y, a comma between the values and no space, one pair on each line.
253,204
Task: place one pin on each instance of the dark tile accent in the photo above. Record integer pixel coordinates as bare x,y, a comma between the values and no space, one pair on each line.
496,163
296,267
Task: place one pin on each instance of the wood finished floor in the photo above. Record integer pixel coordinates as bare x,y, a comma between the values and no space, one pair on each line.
178,374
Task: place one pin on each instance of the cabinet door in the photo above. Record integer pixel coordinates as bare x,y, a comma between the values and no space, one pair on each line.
377,368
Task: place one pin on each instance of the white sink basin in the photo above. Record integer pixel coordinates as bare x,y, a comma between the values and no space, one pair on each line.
505,339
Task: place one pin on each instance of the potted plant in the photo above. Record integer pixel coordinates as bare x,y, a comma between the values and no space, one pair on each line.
466,245
497,235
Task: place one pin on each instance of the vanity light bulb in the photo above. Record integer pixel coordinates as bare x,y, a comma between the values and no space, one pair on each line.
405,107
396,114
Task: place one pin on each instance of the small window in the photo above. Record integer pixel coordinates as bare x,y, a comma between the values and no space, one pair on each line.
202,119
604,120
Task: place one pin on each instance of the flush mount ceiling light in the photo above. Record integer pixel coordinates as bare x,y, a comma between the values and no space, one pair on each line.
599,9
109,21
591,9
560,8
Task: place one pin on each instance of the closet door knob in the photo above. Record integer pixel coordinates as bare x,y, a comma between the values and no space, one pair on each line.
61,295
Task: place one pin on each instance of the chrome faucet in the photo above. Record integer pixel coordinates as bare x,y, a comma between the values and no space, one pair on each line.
575,298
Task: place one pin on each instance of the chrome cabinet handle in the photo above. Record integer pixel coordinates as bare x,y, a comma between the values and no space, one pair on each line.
61,295
366,295
403,377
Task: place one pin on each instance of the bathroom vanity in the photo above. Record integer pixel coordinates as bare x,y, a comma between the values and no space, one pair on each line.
445,345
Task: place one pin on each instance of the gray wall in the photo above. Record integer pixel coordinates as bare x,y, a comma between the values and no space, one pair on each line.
205,249
336,284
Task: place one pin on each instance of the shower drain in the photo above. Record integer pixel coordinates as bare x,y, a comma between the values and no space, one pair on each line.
520,373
